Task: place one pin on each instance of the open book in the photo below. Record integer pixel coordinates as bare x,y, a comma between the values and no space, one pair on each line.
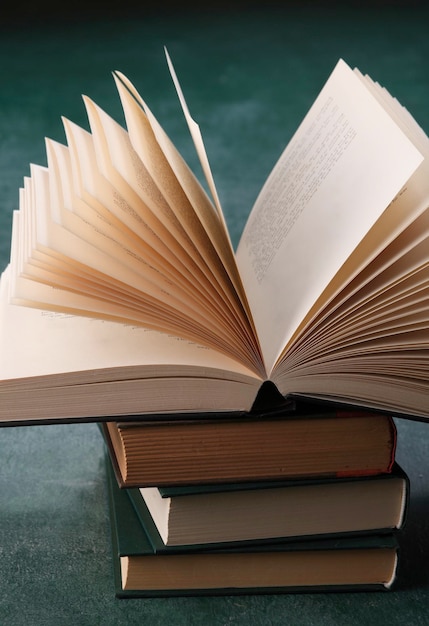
135,301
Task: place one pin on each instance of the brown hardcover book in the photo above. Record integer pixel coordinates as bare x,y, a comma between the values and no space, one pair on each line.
215,451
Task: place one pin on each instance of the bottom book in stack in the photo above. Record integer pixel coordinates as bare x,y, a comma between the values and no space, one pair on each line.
307,535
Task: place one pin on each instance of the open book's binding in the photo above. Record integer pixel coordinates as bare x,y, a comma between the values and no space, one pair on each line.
290,407
268,403
129,538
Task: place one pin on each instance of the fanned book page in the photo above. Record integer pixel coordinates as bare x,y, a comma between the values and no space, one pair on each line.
336,178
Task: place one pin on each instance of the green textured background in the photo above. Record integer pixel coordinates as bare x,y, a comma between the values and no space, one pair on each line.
249,75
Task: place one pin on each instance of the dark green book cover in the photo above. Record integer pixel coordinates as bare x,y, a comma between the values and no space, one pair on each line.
173,491
367,562
276,510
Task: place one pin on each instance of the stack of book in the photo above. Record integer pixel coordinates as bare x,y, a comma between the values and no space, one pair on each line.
124,297
310,500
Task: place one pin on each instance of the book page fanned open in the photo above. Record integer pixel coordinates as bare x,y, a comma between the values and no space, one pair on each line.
124,295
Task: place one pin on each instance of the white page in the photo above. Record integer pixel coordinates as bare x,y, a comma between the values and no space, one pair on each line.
343,167
197,138
42,343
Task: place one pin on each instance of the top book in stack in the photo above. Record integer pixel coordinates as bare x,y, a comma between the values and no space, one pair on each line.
151,311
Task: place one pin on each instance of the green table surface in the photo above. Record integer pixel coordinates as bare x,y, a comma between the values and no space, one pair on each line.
249,75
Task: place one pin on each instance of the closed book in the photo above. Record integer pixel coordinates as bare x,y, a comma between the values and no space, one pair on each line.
263,510
367,562
313,443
